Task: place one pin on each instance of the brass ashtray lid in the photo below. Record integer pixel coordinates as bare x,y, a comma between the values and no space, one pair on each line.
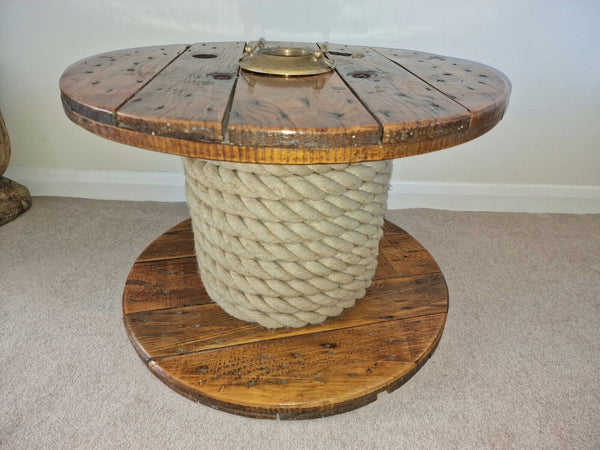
286,61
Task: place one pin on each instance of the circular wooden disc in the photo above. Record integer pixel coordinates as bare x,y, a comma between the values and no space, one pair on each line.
194,100
198,350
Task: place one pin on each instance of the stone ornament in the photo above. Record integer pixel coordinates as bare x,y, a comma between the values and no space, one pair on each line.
14,197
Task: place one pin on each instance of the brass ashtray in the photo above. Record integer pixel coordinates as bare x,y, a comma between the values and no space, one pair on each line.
286,61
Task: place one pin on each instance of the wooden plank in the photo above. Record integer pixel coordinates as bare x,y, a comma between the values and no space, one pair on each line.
169,246
402,255
384,269
163,284
190,97
191,329
390,228
406,257
95,87
186,225
411,260
307,375
409,109
481,89
301,112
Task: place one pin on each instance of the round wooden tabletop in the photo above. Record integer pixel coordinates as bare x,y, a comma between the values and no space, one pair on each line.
194,100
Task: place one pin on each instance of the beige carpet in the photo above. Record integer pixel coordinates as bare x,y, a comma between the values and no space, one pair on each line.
518,365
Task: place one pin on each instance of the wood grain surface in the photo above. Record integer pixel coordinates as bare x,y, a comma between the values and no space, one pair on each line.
195,101
481,89
319,109
97,86
190,97
408,108
197,349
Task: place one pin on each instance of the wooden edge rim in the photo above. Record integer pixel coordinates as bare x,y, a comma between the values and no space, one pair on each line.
266,155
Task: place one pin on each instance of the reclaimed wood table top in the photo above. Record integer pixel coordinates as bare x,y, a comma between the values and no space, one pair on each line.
194,100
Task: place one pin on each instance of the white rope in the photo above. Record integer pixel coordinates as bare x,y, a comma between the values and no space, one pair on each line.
286,245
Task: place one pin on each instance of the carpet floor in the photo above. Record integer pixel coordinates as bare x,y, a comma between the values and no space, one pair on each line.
518,365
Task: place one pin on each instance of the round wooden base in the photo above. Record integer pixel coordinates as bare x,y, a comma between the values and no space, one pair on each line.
201,352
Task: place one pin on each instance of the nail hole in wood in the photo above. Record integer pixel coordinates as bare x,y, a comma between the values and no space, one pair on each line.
329,345
204,55
361,75
221,76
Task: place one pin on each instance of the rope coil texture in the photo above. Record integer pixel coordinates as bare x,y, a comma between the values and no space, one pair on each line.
286,245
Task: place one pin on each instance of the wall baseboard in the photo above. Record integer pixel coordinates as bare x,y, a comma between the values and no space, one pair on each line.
532,198
169,187
102,184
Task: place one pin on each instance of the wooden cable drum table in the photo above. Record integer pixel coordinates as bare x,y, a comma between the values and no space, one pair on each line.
286,295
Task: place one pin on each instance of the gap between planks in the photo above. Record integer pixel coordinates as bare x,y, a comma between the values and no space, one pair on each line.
225,121
435,307
428,83
142,86
361,101
292,336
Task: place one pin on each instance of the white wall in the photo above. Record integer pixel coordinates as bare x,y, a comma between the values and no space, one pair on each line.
548,140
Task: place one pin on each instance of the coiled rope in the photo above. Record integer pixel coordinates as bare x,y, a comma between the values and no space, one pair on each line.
286,245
